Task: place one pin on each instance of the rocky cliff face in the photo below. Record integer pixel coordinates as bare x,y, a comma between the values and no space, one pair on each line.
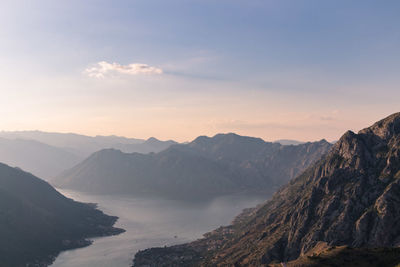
350,197
253,158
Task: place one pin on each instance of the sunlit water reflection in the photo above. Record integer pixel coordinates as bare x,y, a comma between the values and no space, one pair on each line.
150,222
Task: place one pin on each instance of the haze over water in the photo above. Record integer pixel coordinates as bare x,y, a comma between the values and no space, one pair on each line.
150,222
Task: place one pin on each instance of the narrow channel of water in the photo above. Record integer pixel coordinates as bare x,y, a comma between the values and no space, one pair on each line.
148,223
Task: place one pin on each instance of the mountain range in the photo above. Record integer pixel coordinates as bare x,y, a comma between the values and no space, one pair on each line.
46,155
205,167
37,222
78,144
38,158
337,210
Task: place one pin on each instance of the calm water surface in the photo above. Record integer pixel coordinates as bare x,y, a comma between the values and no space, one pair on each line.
148,223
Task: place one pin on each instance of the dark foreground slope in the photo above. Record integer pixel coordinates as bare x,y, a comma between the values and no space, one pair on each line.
226,163
345,256
37,222
351,197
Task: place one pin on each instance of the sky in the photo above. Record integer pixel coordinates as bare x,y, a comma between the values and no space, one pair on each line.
177,69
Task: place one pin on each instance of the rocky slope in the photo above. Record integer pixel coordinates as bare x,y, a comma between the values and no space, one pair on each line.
37,222
350,197
345,256
201,169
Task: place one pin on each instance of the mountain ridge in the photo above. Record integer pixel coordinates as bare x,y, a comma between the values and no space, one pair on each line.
348,197
204,167
38,158
48,154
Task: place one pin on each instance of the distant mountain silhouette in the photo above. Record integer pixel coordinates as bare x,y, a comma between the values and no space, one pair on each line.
48,154
81,145
349,198
287,142
37,222
40,159
150,145
225,163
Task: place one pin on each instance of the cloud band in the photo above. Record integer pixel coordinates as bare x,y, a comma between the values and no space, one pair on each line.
103,68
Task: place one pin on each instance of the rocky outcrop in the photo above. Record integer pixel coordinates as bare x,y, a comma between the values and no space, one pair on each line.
350,197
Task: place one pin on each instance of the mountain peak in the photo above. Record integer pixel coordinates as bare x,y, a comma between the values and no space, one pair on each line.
386,128
366,147
152,139
348,198
231,135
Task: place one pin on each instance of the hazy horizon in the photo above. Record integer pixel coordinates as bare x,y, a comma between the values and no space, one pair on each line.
272,69
251,103
160,139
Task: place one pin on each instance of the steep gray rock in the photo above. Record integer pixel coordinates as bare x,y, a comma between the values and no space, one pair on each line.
350,197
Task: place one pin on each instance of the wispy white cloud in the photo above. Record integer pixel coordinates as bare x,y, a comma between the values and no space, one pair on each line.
103,68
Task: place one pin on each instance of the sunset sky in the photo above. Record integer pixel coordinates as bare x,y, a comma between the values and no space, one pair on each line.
172,69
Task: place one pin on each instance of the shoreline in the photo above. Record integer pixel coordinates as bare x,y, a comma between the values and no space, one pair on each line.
71,244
